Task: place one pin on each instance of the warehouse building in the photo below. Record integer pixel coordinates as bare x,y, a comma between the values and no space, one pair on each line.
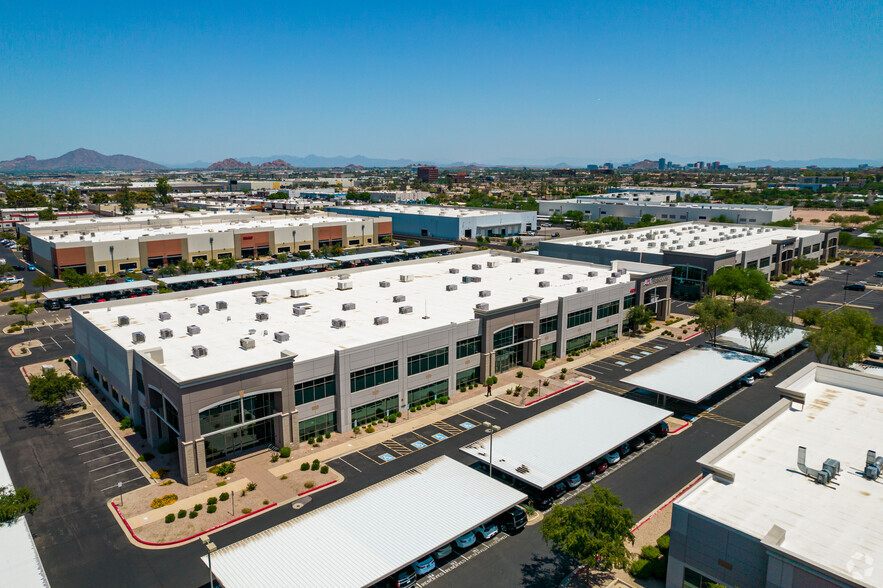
793,499
447,222
631,211
111,247
657,193
697,250
300,356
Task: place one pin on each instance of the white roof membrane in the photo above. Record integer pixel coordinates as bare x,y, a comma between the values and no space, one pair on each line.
734,340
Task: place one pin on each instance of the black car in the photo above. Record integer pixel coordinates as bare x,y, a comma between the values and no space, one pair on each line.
856,287
648,437
512,521
541,500
660,430
588,473
18,268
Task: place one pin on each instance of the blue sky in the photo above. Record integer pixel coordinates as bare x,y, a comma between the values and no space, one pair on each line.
472,81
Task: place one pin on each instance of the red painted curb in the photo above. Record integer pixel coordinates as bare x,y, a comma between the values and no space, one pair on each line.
693,335
135,537
661,508
685,425
553,393
318,487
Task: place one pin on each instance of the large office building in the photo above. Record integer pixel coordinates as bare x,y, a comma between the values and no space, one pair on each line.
792,500
427,173
447,222
227,370
697,250
631,211
124,243
657,193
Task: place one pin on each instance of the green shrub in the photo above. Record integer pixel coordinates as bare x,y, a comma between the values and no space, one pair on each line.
662,543
545,382
328,435
311,441
519,374
494,378
224,497
193,514
146,456
392,418
412,409
444,399
658,568
418,407
211,508
182,513
569,358
357,430
265,502
309,484
489,381
170,518
315,465
197,507
221,483
369,429
165,447
304,466
223,469
561,376
251,486
650,552
539,364
246,510
462,389
640,569
212,501
324,469
563,370
285,452
125,423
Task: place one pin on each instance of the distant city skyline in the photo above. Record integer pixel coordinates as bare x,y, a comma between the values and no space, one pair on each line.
492,83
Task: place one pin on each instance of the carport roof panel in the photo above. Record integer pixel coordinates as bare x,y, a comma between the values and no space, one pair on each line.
695,374
734,339
429,248
345,544
366,256
99,289
289,265
230,273
552,445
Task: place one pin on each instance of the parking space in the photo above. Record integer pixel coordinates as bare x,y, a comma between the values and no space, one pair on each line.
607,365
104,461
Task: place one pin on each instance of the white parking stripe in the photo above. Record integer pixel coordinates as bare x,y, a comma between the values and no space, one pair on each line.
109,465
87,434
79,421
114,487
89,426
98,449
495,408
116,474
93,441
103,457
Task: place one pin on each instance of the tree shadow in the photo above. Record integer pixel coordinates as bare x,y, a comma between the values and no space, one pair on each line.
546,570
44,416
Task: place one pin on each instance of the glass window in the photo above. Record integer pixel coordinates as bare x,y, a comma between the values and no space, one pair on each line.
375,410
579,317
547,351
428,392
510,335
607,333
628,301
468,347
608,309
374,376
467,377
229,414
578,343
764,262
221,445
319,425
139,382
806,250
816,247
752,264
306,392
423,362
548,324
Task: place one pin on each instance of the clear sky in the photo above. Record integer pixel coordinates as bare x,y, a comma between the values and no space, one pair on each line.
446,81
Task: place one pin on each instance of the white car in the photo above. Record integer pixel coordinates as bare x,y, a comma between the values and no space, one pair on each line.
12,280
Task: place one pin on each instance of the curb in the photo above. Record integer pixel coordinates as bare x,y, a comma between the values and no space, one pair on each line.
325,485
679,429
526,404
179,541
695,481
693,335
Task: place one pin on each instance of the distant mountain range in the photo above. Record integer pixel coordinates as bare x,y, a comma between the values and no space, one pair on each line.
79,160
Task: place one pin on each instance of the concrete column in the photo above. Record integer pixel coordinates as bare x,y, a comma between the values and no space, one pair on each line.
191,460
285,429
531,351
485,366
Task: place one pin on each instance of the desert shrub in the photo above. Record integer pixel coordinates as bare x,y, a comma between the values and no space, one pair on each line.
650,552
167,483
146,456
164,501
284,477
324,469
159,473
285,452
212,500
640,569
221,483
246,510
274,457
224,497
519,374
309,484
197,507
265,502
563,370
560,376
569,358
223,469
315,465
545,382
193,514
211,508
170,518
251,486
125,423
182,513
369,429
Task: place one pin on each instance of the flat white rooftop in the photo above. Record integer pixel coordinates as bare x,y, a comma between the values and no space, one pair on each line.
312,335
695,374
552,445
612,199
734,340
837,526
698,238
23,566
146,216
446,211
367,536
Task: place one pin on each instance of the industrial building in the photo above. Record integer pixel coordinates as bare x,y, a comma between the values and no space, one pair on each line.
299,356
697,250
124,243
631,211
447,222
792,499
657,193
10,218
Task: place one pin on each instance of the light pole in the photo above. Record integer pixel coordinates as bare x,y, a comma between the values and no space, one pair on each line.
211,244
793,302
844,287
211,548
491,429
111,260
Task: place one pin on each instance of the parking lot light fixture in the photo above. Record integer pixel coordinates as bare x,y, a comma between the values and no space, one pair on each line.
211,548
489,428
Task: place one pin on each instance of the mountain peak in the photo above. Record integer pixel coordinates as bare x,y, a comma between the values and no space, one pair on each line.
81,159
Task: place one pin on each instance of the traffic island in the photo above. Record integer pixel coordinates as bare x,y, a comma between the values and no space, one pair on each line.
23,349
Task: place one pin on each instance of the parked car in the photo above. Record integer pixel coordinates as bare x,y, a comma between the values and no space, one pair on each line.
424,566
612,458
648,437
32,268
601,465
12,280
486,530
879,274
513,520
799,283
746,380
637,444
559,490
442,552
856,287
541,500
624,450
660,430
573,481
467,540
18,268
404,579
588,473
760,372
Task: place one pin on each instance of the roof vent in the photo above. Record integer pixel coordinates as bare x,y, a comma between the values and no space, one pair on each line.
338,323
539,270
122,321
593,274
344,284
165,333
260,299
164,316
193,330
220,305
406,310
298,310
484,293
516,260
199,351
138,337
246,343
830,469
611,280
260,293
348,306
451,287
384,284
873,465
544,284
280,336
298,292
493,263
567,277
398,298
202,309
406,278
475,279
482,306
581,289
453,270
261,316
381,320
476,266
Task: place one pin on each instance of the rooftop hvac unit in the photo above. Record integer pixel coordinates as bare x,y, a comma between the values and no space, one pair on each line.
451,287
516,260
482,306
202,309
593,274
453,270
298,292
246,343
348,306
398,298
484,293
259,293
381,320
338,323
406,278
493,263
830,469
298,310
567,277
611,280
122,321
344,284
165,333
467,279
261,316
138,337
873,465
580,289
405,310
544,284
614,274
220,305
527,298
164,316
384,284
260,299
539,270
476,266
193,330
199,351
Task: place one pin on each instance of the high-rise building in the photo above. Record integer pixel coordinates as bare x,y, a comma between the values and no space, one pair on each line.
661,163
591,166
426,173
608,166
716,165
